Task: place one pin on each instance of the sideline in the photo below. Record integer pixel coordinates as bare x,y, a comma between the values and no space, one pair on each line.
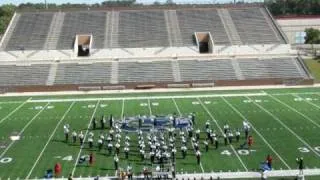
133,91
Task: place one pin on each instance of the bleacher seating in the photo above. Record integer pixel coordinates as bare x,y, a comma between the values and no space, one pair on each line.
253,27
91,22
193,70
12,75
83,73
271,68
157,71
142,29
202,21
31,31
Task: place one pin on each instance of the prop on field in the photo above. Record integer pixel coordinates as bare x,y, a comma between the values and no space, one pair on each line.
158,123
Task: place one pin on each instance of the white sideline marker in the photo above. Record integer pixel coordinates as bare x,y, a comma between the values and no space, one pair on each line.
212,118
85,135
178,109
23,129
16,109
285,126
52,134
265,141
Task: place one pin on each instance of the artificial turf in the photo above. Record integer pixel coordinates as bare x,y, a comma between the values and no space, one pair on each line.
282,122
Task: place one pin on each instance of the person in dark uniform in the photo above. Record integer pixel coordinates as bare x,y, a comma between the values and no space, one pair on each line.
193,118
216,142
94,123
116,162
238,135
102,122
111,121
225,139
198,154
300,165
206,145
140,122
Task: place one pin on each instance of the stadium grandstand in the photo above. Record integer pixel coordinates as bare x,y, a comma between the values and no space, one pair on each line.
155,92
147,48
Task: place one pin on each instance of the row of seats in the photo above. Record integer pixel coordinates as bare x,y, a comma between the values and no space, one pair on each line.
204,21
82,23
139,28
30,32
252,26
271,68
142,29
156,71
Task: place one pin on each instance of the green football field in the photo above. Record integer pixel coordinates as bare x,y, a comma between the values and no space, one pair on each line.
285,123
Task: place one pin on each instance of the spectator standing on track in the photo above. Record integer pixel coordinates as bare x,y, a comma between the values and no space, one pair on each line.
269,161
57,169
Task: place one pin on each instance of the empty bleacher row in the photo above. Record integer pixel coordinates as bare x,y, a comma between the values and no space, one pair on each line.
202,21
253,27
142,29
195,70
96,73
139,28
155,71
12,75
271,68
82,23
30,32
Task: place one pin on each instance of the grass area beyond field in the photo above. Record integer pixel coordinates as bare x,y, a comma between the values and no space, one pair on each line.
285,123
314,67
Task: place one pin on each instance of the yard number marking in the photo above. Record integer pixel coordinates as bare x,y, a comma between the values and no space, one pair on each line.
306,150
6,160
243,152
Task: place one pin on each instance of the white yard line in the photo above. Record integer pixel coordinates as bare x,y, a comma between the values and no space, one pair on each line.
178,109
260,135
285,126
23,129
85,135
215,121
45,146
12,102
295,110
16,109
149,105
311,103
